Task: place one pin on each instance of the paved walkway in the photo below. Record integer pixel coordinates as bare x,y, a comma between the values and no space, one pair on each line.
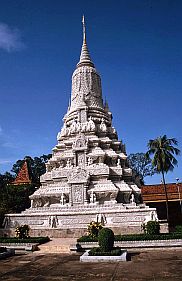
147,266
57,245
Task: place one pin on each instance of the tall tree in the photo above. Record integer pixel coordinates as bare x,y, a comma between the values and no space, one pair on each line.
141,166
163,150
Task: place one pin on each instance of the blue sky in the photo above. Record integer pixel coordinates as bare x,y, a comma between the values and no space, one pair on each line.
136,46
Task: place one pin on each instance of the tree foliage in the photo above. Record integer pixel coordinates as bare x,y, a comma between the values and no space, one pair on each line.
15,198
5,179
163,150
141,166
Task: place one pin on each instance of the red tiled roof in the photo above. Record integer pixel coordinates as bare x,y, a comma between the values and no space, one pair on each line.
23,175
154,193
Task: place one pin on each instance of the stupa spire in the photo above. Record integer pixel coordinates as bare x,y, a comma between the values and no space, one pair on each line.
84,56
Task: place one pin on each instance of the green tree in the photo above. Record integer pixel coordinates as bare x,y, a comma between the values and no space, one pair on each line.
141,166
5,179
163,150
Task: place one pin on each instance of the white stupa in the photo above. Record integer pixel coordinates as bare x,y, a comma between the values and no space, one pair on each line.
87,179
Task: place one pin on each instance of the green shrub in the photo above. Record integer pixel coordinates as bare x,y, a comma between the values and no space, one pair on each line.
94,228
147,237
151,227
136,237
37,240
98,252
87,239
22,231
178,229
106,239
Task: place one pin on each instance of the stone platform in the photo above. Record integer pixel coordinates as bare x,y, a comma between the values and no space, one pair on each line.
86,258
73,221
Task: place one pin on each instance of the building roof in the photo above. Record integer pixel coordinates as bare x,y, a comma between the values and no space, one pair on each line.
23,176
156,193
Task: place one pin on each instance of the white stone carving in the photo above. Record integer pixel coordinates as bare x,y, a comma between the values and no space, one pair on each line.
90,125
151,217
73,126
63,199
90,161
78,175
68,163
103,126
86,166
53,221
80,142
119,162
101,218
92,197
77,193
132,199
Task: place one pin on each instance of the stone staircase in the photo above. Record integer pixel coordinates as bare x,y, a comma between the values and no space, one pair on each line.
56,245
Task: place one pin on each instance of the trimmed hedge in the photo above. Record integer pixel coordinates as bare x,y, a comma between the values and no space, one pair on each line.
98,252
37,240
87,239
136,237
106,239
145,237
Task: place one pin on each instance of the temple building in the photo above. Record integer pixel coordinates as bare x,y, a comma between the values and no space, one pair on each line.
154,196
87,179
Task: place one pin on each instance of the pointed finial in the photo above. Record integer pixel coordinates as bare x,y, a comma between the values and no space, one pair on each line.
84,56
84,29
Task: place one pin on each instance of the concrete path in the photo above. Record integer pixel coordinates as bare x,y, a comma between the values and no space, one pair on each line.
147,266
56,245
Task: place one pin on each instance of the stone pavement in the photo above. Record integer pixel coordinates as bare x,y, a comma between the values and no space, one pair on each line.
147,266
57,245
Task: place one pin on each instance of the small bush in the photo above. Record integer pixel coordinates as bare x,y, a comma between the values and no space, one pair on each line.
22,231
151,227
94,228
98,252
106,239
178,229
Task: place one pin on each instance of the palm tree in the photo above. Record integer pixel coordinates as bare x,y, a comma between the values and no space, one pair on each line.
163,151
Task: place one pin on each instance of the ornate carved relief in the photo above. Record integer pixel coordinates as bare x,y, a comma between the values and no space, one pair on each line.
78,176
80,159
77,193
103,126
80,143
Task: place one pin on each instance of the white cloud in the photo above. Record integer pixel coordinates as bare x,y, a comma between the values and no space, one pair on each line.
9,144
5,161
10,38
